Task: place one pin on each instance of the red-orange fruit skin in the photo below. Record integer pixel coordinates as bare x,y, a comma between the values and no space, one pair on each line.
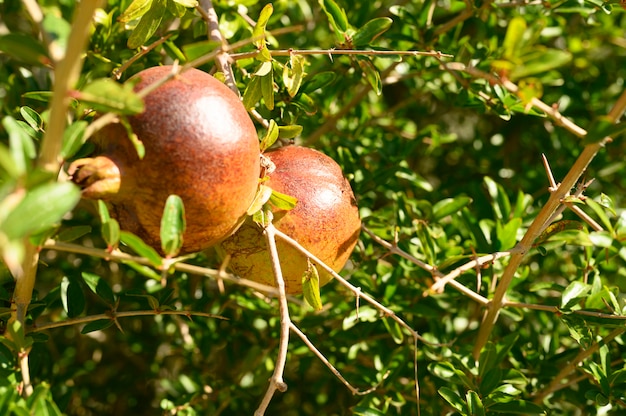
325,221
200,144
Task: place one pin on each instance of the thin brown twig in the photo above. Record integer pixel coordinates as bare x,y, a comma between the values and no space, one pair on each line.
538,226
223,59
276,381
331,367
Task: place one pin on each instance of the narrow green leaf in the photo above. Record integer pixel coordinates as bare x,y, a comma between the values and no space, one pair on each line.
21,146
289,132
106,95
24,48
100,287
283,201
73,233
98,325
371,74
267,89
187,3
540,61
556,228
172,226
258,33
103,211
134,139
311,286
474,404
500,200
196,50
514,406
453,398
336,16
573,293
513,38
394,330
72,297
263,195
148,24
507,234
111,233
270,137
41,208
253,93
73,138
141,248
449,206
135,10
319,80
294,74
31,117
366,411
370,31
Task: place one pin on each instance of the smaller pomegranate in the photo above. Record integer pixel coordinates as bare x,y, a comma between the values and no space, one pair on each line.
325,221
200,144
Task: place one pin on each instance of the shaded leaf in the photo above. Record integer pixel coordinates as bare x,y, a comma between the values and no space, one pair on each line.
100,287
98,325
72,297
73,138
573,293
449,206
141,248
371,30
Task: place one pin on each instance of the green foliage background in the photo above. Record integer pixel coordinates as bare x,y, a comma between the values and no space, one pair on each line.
445,163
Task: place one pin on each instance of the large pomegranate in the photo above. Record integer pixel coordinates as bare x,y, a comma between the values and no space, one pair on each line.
325,220
200,144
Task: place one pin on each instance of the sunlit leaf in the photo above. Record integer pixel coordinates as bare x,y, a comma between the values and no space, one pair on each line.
106,95
148,24
371,30
449,206
311,286
258,33
173,226
270,137
140,247
283,201
575,291
135,10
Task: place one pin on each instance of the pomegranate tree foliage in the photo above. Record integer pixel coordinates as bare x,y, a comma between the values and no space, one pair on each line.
444,152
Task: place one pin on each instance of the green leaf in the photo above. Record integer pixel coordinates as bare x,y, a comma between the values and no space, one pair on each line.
253,93
573,293
371,74
148,24
100,287
258,33
41,208
453,398
294,74
507,234
515,406
135,10
141,248
289,132
31,117
263,195
21,146
73,138
394,330
73,233
24,48
172,226
270,137
72,297
474,404
540,61
370,31
449,206
311,286
98,325
556,228
516,28
196,50
267,89
337,18
187,3
603,127
500,200
366,411
283,201
319,80
106,95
